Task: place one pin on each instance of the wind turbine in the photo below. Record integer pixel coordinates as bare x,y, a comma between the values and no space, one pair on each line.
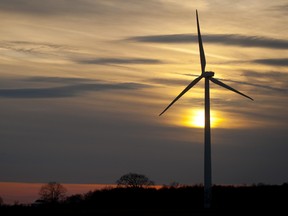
208,75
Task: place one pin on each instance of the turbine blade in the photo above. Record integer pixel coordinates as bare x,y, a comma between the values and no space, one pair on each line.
194,82
201,49
228,87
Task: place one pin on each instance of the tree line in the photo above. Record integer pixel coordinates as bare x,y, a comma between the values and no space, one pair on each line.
135,196
54,192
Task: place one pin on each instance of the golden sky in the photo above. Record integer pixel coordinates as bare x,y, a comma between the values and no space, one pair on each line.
83,82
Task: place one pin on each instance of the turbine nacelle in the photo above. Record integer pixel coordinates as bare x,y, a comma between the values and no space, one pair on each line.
208,74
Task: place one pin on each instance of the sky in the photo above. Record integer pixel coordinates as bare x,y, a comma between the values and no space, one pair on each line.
82,84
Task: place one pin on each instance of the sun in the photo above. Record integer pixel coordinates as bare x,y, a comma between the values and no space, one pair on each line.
198,119
195,118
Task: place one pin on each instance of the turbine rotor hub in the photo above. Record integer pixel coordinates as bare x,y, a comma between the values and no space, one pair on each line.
208,74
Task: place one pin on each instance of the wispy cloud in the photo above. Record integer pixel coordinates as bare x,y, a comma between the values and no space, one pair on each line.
44,7
119,61
282,8
224,39
68,90
170,82
81,7
62,80
271,75
273,62
173,38
281,90
35,48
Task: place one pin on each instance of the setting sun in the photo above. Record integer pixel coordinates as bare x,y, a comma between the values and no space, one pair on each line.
195,118
198,119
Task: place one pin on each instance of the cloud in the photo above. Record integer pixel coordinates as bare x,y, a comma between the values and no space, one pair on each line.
272,75
280,90
278,80
119,61
225,39
44,7
173,82
44,48
81,7
66,80
35,48
282,8
70,90
173,38
272,62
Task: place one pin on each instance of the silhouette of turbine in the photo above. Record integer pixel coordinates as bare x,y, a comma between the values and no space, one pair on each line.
208,75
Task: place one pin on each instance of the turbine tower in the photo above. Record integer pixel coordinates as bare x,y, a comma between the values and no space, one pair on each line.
208,75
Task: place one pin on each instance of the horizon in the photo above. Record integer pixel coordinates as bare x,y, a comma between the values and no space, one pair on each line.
82,85
27,193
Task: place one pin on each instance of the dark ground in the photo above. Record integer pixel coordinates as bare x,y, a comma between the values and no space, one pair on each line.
168,201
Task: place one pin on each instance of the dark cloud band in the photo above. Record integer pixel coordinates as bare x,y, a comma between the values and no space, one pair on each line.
119,61
225,39
273,62
71,90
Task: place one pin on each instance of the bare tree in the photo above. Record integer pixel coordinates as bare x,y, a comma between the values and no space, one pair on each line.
1,201
52,192
134,180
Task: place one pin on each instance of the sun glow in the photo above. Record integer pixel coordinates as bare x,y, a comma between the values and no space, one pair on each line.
195,118
198,119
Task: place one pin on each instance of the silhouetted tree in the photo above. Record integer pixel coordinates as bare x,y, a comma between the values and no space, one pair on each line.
1,201
52,192
134,180
74,199
174,184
